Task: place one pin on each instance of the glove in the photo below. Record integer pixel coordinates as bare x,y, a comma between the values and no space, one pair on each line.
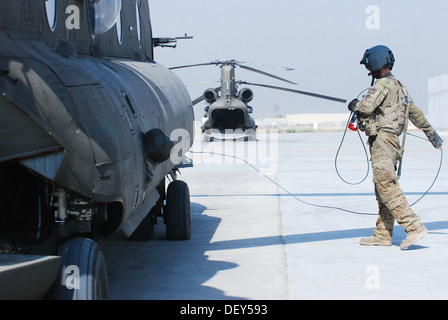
436,140
352,105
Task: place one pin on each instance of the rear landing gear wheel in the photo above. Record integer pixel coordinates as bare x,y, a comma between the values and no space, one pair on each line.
83,274
178,216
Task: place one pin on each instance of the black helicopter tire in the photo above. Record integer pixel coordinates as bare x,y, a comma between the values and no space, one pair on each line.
178,215
83,274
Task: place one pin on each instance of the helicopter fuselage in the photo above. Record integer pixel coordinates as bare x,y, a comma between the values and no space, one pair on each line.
228,114
75,108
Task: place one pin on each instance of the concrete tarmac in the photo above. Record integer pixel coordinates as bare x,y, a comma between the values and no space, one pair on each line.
268,222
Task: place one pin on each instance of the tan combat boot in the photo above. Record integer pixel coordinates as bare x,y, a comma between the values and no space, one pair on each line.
413,237
374,241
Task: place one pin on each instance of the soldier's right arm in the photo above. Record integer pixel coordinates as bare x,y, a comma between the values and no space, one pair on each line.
374,98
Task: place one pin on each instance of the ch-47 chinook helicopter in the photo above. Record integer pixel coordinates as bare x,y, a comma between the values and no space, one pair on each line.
227,115
90,127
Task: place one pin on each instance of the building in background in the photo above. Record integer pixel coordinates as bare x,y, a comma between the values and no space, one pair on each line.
311,122
438,104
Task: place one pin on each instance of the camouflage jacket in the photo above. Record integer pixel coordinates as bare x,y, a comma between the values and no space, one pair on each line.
386,96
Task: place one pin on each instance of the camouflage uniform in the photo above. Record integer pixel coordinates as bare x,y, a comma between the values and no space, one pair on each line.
382,116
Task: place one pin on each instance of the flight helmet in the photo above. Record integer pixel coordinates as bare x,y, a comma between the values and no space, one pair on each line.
377,58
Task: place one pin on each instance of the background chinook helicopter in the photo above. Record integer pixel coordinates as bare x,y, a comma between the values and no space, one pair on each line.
90,126
228,114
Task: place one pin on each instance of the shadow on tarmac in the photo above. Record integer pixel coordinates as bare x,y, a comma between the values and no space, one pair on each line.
165,270
399,235
172,270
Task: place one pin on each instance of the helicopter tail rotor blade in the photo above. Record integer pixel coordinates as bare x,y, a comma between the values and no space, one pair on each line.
264,73
316,95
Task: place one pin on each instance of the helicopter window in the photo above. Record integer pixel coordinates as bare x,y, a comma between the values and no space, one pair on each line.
119,31
137,16
103,15
50,8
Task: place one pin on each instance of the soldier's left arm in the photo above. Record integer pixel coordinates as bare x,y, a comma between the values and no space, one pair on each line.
419,120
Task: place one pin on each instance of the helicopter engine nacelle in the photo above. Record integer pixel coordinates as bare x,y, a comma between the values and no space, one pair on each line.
211,95
246,95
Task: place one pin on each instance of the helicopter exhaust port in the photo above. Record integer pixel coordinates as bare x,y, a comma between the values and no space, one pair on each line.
246,95
211,95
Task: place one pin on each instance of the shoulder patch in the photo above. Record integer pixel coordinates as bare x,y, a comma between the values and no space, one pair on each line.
372,90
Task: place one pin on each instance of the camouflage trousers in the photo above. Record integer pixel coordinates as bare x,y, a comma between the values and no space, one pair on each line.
386,152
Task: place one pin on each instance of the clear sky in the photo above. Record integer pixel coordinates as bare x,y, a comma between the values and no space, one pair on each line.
323,40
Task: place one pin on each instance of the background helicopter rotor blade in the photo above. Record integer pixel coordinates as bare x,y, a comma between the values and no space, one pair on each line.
201,83
265,65
239,64
264,73
197,100
195,65
316,95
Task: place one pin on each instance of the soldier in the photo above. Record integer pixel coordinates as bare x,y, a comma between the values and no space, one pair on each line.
383,115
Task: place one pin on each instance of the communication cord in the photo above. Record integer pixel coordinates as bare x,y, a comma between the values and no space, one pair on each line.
279,186
317,205
339,149
438,170
363,144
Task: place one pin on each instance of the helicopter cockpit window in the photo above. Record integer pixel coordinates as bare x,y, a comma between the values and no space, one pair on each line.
50,8
103,14
137,16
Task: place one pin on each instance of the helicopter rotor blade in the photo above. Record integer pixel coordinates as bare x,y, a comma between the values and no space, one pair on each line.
195,65
266,65
197,100
265,73
201,83
295,91
239,64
